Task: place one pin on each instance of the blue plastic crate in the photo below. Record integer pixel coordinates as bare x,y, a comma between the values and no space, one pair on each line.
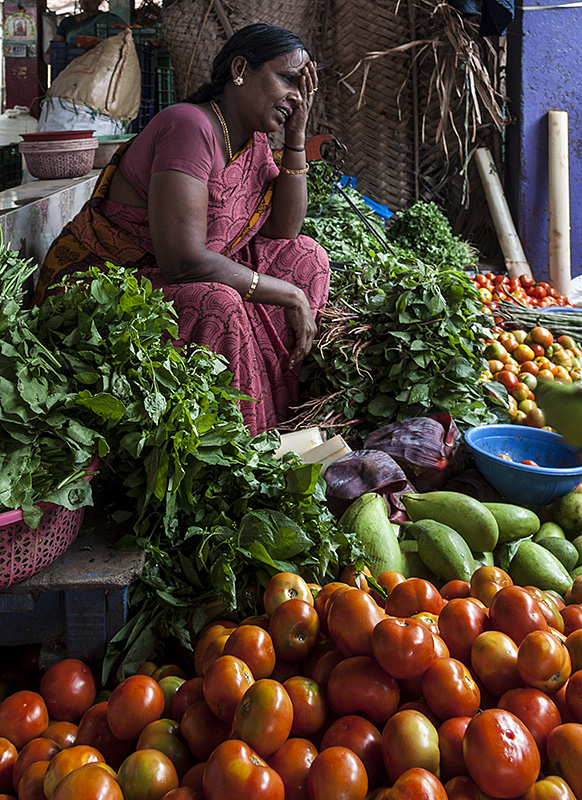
61,55
147,110
147,62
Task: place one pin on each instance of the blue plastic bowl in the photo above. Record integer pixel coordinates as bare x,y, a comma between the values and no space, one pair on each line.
559,471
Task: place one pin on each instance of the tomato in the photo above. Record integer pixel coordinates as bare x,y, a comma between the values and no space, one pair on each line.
194,777
285,586
189,692
23,716
337,773
68,689
500,753
147,775
460,622
548,606
551,788
515,612
403,647
321,669
169,685
168,671
207,635
506,378
543,662
264,716
203,730
36,750
253,645
487,581
91,782
63,733
135,702
430,621
165,735
235,770
536,710
31,785
292,761
574,696
351,619
66,761
183,793
355,577
363,738
412,596
294,629
564,746
309,705
462,787
224,685
94,730
409,739
215,649
415,784
572,616
321,598
8,757
359,685
455,588
262,620
451,733
574,645
494,659
449,689
389,579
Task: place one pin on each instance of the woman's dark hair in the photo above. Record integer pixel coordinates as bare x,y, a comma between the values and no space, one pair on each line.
258,43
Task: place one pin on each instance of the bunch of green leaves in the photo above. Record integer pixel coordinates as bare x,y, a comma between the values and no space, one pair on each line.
405,340
423,231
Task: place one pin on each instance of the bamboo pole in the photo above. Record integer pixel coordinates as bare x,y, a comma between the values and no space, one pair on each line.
559,256
515,260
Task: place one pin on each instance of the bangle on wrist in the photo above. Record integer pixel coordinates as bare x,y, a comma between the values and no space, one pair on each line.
253,286
294,149
303,171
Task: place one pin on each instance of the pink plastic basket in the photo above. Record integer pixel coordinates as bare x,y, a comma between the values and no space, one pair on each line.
24,551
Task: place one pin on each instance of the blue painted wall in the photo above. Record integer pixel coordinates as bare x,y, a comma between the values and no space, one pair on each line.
544,72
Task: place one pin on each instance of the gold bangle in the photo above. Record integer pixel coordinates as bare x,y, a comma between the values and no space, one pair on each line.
254,284
294,171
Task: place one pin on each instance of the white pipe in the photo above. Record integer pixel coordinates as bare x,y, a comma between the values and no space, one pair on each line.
515,260
559,256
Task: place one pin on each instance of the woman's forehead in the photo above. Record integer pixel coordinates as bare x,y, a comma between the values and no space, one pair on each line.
295,60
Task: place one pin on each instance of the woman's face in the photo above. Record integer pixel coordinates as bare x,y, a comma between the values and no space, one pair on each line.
273,91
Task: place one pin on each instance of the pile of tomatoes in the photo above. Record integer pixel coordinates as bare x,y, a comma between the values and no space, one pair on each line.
519,359
340,692
524,289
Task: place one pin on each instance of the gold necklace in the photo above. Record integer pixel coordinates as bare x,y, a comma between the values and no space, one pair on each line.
218,113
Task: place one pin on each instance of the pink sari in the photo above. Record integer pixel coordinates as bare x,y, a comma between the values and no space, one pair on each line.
253,337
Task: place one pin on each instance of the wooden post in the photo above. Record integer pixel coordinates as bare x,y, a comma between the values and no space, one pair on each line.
559,255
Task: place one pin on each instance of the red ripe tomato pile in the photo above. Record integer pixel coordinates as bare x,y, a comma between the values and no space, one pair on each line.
334,693
524,288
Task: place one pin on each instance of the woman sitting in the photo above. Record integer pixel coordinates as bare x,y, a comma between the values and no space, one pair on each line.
198,205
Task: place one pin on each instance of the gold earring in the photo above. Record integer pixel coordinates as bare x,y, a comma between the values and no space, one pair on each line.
238,81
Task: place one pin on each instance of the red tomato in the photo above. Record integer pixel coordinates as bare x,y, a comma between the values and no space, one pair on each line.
572,616
574,645
564,748
292,761
351,619
194,777
224,685
215,649
500,753
203,730
147,775
168,671
285,586
320,601
355,577
36,750
550,788
253,645
264,717
403,647
451,733
169,685
205,637
235,770
455,588
548,606
460,622
189,692
135,702
337,773
364,739
294,629
68,689
359,685
515,612
494,659
63,733
412,596
183,793
388,580
66,761
8,757
165,735
536,710
449,689
487,581
309,705
462,787
23,716
91,782
322,667
543,662
94,730
31,785
409,739
415,784
574,696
